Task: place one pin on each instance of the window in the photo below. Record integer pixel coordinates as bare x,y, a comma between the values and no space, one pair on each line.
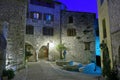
48,31
70,19
87,45
48,17
71,32
29,29
35,15
101,2
104,28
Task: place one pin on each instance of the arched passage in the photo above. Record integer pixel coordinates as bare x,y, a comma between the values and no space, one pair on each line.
43,52
30,49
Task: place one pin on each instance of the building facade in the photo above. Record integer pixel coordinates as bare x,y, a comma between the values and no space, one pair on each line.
109,27
78,35
43,29
49,25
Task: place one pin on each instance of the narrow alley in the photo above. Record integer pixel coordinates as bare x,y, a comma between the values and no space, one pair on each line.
44,70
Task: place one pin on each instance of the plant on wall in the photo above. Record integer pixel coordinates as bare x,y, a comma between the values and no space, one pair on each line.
9,73
114,72
106,60
27,54
108,73
60,48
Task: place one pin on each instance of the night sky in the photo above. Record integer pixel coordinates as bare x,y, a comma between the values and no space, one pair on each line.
81,5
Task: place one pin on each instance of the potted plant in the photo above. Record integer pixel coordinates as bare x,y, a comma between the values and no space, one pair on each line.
106,60
5,75
27,54
60,48
8,74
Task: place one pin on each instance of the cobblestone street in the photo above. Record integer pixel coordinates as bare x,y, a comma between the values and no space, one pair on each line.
44,70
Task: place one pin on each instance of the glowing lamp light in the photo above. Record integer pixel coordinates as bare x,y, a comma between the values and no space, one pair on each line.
51,45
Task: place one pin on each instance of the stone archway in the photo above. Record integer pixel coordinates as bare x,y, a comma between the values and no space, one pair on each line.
43,52
30,48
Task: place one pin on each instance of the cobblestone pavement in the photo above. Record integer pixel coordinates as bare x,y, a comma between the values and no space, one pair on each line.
44,70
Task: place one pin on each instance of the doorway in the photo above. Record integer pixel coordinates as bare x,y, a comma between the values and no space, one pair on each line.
98,61
30,52
43,52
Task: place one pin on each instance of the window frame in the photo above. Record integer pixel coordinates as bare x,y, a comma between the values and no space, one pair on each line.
48,31
87,45
71,32
104,28
32,15
70,19
46,17
29,30
101,2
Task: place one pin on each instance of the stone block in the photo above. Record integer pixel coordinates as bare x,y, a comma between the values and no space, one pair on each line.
62,63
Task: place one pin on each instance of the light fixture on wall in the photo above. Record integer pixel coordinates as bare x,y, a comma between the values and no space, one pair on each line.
51,44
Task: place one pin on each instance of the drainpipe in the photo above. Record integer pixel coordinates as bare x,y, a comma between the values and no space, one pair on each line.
48,51
60,33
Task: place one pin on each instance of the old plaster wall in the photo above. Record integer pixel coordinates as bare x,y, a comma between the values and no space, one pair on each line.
76,44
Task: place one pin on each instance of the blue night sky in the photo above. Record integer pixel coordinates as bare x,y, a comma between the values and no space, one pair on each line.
81,5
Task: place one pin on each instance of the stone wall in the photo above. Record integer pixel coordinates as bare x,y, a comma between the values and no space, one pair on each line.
115,29
14,13
76,48
104,15
109,10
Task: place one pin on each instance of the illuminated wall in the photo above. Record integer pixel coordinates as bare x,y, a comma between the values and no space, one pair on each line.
14,14
104,15
84,34
109,11
78,36
46,28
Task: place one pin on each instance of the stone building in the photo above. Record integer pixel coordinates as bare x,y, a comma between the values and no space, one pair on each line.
78,35
12,23
48,26
109,27
45,26
43,29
